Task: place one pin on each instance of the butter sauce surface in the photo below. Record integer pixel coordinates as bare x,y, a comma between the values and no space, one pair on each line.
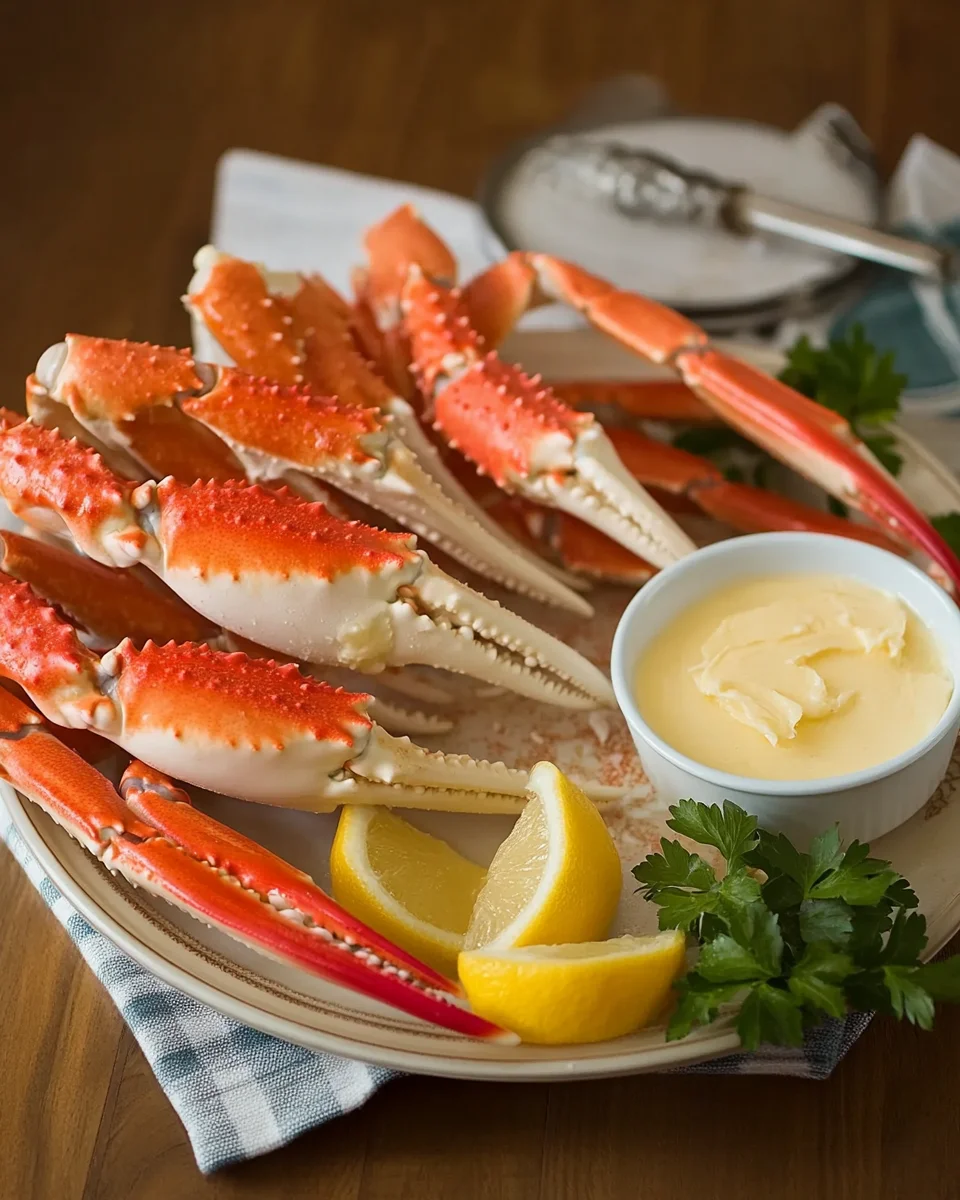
793,677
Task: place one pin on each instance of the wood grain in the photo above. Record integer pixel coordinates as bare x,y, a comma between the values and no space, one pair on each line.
112,117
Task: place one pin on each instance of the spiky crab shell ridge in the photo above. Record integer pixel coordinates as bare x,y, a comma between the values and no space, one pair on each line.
255,328
291,328
293,425
314,324
111,379
183,424
230,528
42,653
252,702
52,482
508,423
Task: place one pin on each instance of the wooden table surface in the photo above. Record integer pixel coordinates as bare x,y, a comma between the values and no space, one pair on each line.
113,115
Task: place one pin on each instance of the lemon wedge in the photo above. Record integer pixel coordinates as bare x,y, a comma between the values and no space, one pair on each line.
587,992
409,886
557,876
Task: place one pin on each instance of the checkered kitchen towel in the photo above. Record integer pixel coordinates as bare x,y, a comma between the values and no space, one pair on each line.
240,1093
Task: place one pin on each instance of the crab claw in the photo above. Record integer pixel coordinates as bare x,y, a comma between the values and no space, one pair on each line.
368,599
152,835
514,429
294,329
108,605
285,573
264,732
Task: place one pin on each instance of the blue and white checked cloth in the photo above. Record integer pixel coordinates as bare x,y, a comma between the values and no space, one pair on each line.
240,1093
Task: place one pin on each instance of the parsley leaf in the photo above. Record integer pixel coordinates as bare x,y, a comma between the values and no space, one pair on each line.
825,855
849,375
699,1003
731,830
856,879
782,892
724,960
754,926
775,854
941,980
818,977
881,446
710,439
682,910
735,890
901,895
906,939
677,867
827,921
770,1014
682,884
866,938
908,997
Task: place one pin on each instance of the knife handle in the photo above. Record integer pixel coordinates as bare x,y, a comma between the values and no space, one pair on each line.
746,212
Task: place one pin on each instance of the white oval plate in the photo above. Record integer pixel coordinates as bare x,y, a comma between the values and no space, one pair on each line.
291,1004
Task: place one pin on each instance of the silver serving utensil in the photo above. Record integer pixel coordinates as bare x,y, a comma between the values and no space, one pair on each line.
644,185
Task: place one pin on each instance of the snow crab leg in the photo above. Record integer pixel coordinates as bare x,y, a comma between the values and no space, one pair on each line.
150,833
284,573
294,330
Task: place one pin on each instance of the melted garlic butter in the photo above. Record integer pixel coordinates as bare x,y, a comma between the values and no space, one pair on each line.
793,677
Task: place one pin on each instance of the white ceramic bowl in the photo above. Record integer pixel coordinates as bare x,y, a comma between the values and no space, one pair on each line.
866,803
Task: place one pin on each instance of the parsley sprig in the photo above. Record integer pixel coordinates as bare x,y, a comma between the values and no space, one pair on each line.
793,936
